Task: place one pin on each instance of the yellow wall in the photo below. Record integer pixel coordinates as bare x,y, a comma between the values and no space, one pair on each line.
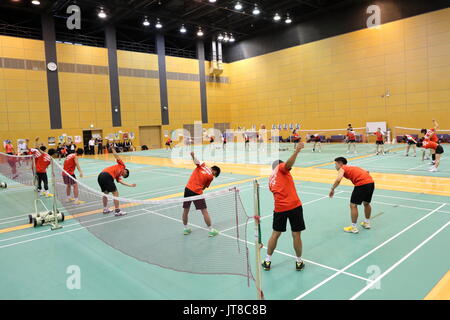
340,80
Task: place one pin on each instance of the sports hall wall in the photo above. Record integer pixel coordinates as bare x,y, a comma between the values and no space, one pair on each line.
340,80
85,91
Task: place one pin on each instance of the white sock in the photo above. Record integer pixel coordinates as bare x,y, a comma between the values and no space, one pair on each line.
354,225
367,220
268,258
185,226
299,259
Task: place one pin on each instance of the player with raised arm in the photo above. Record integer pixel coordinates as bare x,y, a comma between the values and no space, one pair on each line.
287,207
201,178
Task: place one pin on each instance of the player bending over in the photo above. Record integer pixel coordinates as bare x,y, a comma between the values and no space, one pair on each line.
436,151
431,135
287,206
362,193
106,182
410,142
200,179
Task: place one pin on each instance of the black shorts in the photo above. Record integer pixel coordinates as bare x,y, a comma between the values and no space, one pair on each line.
439,150
167,144
410,142
379,142
106,182
295,217
362,193
199,204
353,141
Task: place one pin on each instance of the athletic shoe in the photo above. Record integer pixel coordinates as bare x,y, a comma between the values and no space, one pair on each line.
69,200
351,229
213,233
365,225
48,194
187,231
120,213
433,169
266,265
299,266
406,155
79,202
106,211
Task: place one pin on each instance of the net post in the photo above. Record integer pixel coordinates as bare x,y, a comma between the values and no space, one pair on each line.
56,224
258,243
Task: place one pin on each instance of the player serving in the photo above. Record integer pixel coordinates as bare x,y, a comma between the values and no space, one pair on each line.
106,182
200,179
362,193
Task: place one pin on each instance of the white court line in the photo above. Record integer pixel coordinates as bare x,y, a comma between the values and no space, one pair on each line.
317,286
367,287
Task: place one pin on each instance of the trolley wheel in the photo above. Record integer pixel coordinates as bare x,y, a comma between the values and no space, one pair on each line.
62,217
30,218
34,222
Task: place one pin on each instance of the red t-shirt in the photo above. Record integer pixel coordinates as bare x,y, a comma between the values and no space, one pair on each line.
357,175
116,171
379,136
69,164
200,179
281,184
427,144
351,135
42,160
431,135
9,148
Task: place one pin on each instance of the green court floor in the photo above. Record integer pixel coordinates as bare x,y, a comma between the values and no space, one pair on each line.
406,248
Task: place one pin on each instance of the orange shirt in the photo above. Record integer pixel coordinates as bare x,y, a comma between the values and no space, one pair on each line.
379,136
282,186
116,171
200,179
427,144
351,135
42,161
9,148
69,164
431,135
357,175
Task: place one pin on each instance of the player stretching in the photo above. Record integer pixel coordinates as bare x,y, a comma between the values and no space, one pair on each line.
362,193
351,140
106,182
431,136
411,142
287,206
436,151
316,139
380,140
70,164
169,143
200,179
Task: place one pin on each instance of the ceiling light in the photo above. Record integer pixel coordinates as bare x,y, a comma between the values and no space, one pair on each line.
183,29
212,1
220,37
146,22
158,24
277,17
200,32
238,6
102,14
232,39
226,38
36,2
256,10
288,19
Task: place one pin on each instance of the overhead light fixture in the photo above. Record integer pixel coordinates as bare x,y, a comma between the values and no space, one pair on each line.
36,2
220,37
288,19
277,17
102,13
256,10
212,1
232,39
158,24
146,22
238,6
200,32
183,29
226,38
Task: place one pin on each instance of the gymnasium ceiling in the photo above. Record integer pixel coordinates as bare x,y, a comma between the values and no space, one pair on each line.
128,15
